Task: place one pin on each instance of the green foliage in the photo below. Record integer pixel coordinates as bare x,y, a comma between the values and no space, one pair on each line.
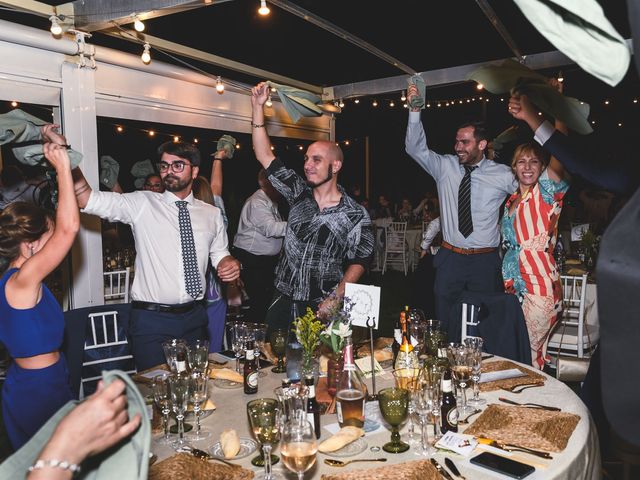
308,330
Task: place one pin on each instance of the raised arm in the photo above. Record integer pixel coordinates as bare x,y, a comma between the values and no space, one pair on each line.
259,137
216,179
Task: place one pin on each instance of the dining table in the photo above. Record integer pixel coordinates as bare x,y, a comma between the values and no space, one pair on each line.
580,458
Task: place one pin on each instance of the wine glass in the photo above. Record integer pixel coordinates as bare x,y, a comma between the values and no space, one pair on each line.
179,394
162,397
278,339
475,345
299,447
265,422
394,404
175,352
237,331
198,355
460,359
408,378
198,396
423,405
259,334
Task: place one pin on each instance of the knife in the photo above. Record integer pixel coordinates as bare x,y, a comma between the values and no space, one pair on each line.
441,470
452,466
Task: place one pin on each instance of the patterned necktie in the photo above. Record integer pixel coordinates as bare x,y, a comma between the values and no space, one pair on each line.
189,259
465,222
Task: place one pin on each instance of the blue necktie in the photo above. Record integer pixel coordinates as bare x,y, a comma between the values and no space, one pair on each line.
189,259
465,221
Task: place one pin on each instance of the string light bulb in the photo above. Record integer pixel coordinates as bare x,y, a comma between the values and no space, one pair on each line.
375,103
152,133
14,104
479,86
119,129
237,146
195,140
341,104
55,29
176,139
404,96
219,85
138,24
269,103
146,54
392,104
263,10
357,100
560,76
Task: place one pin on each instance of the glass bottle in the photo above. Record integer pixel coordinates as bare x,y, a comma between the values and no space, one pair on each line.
313,409
407,356
251,370
351,391
449,412
397,335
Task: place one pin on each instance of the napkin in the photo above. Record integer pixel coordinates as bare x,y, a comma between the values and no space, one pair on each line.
298,103
501,375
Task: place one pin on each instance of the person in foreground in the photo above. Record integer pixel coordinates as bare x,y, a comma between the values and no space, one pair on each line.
529,232
326,228
93,426
32,245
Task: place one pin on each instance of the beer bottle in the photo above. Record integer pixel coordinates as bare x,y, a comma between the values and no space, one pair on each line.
313,409
250,370
351,391
449,412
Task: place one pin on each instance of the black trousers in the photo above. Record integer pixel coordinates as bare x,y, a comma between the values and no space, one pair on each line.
257,276
283,310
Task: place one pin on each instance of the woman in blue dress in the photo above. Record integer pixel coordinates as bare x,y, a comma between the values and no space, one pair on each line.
32,245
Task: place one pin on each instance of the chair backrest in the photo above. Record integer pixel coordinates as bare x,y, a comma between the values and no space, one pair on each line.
574,294
470,321
116,285
396,234
425,224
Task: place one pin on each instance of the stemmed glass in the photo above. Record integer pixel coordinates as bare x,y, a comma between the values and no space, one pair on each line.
162,397
278,339
394,403
474,344
433,392
408,378
179,394
198,355
237,331
265,422
198,395
175,352
298,447
259,335
428,403
460,359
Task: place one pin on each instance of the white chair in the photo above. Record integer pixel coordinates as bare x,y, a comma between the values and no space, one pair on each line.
579,339
395,249
116,286
105,345
470,321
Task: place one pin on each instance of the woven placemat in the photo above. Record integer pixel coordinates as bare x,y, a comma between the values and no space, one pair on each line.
188,467
525,427
531,376
417,470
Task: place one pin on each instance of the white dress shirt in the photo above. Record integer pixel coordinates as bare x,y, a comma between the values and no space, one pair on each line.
153,218
260,229
490,184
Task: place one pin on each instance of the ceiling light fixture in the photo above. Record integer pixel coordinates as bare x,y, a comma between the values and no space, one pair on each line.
263,10
219,85
138,24
55,29
404,96
146,54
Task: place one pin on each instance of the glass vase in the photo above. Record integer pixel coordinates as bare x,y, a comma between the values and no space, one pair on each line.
309,367
334,369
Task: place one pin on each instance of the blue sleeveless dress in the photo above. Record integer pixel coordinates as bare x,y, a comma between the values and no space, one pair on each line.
31,396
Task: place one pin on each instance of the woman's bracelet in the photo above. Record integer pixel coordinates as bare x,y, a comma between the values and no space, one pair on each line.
255,125
54,463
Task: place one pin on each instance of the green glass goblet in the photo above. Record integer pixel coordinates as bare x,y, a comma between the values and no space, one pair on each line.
278,339
264,418
394,405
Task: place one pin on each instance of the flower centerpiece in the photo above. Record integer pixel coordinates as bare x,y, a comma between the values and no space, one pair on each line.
308,330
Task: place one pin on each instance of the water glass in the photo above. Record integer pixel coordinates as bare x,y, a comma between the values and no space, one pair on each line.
162,398
237,332
198,355
198,396
298,447
179,395
475,345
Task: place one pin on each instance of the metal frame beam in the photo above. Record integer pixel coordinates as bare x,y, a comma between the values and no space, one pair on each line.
499,26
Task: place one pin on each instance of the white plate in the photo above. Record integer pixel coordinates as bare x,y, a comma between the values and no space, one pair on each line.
247,447
228,384
354,448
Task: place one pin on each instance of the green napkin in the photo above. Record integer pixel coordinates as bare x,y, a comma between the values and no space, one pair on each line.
109,170
140,170
513,77
298,103
579,29
418,81
228,144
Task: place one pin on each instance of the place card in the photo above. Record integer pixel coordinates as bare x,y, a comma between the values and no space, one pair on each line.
364,364
501,375
366,304
457,442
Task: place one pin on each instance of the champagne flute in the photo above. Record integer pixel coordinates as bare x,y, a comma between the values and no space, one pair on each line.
265,422
162,397
408,378
475,345
198,355
179,389
460,359
198,396
278,339
260,335
299,447
237,332
394,403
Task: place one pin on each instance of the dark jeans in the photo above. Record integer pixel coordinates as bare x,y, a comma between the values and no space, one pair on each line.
283,310
147,331
456,273
257,276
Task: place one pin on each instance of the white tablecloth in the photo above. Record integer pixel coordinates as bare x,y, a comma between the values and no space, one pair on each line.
580,460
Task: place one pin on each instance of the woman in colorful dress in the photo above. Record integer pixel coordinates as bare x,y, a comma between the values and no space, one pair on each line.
32,245
529,232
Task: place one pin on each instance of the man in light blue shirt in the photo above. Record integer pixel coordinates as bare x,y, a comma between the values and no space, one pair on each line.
471,189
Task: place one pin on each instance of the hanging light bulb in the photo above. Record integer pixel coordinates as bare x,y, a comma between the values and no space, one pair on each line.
560,76
392,104
269,103
14,104
146,55
479,86
195,140
263,10
341,104
237,146
219,85
404,96
357,100
138,25
151,133
375,103
55,29
119,128
176,139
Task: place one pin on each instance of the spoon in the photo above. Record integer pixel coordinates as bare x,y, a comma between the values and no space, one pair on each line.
340,463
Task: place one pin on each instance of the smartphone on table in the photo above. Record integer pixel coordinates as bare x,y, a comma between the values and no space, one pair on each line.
503,465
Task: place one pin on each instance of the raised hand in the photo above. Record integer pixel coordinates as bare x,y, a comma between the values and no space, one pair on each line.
412,92
50,133
259,94
57,155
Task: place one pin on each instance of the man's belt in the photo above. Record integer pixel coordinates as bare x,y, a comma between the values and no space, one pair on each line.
162,307
468,251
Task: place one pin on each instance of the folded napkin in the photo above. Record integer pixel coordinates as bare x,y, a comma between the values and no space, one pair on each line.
226,374
416,470
298,103
109,170
345,436
529,376
140,170
418,81
183,465
228,144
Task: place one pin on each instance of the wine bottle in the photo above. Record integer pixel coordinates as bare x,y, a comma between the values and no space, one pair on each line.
449,411
313,409
351,391
407,357
397,336
250,370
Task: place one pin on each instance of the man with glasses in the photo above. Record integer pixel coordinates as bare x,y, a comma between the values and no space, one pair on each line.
153,183
175,236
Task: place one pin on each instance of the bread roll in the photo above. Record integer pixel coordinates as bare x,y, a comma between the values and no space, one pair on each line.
343,437
226,374
230,443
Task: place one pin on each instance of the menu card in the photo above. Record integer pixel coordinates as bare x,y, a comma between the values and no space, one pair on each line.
458,443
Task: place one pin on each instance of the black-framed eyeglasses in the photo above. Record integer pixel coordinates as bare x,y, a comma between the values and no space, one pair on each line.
177,166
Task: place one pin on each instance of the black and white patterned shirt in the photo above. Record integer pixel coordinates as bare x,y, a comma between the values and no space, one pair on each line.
318,245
